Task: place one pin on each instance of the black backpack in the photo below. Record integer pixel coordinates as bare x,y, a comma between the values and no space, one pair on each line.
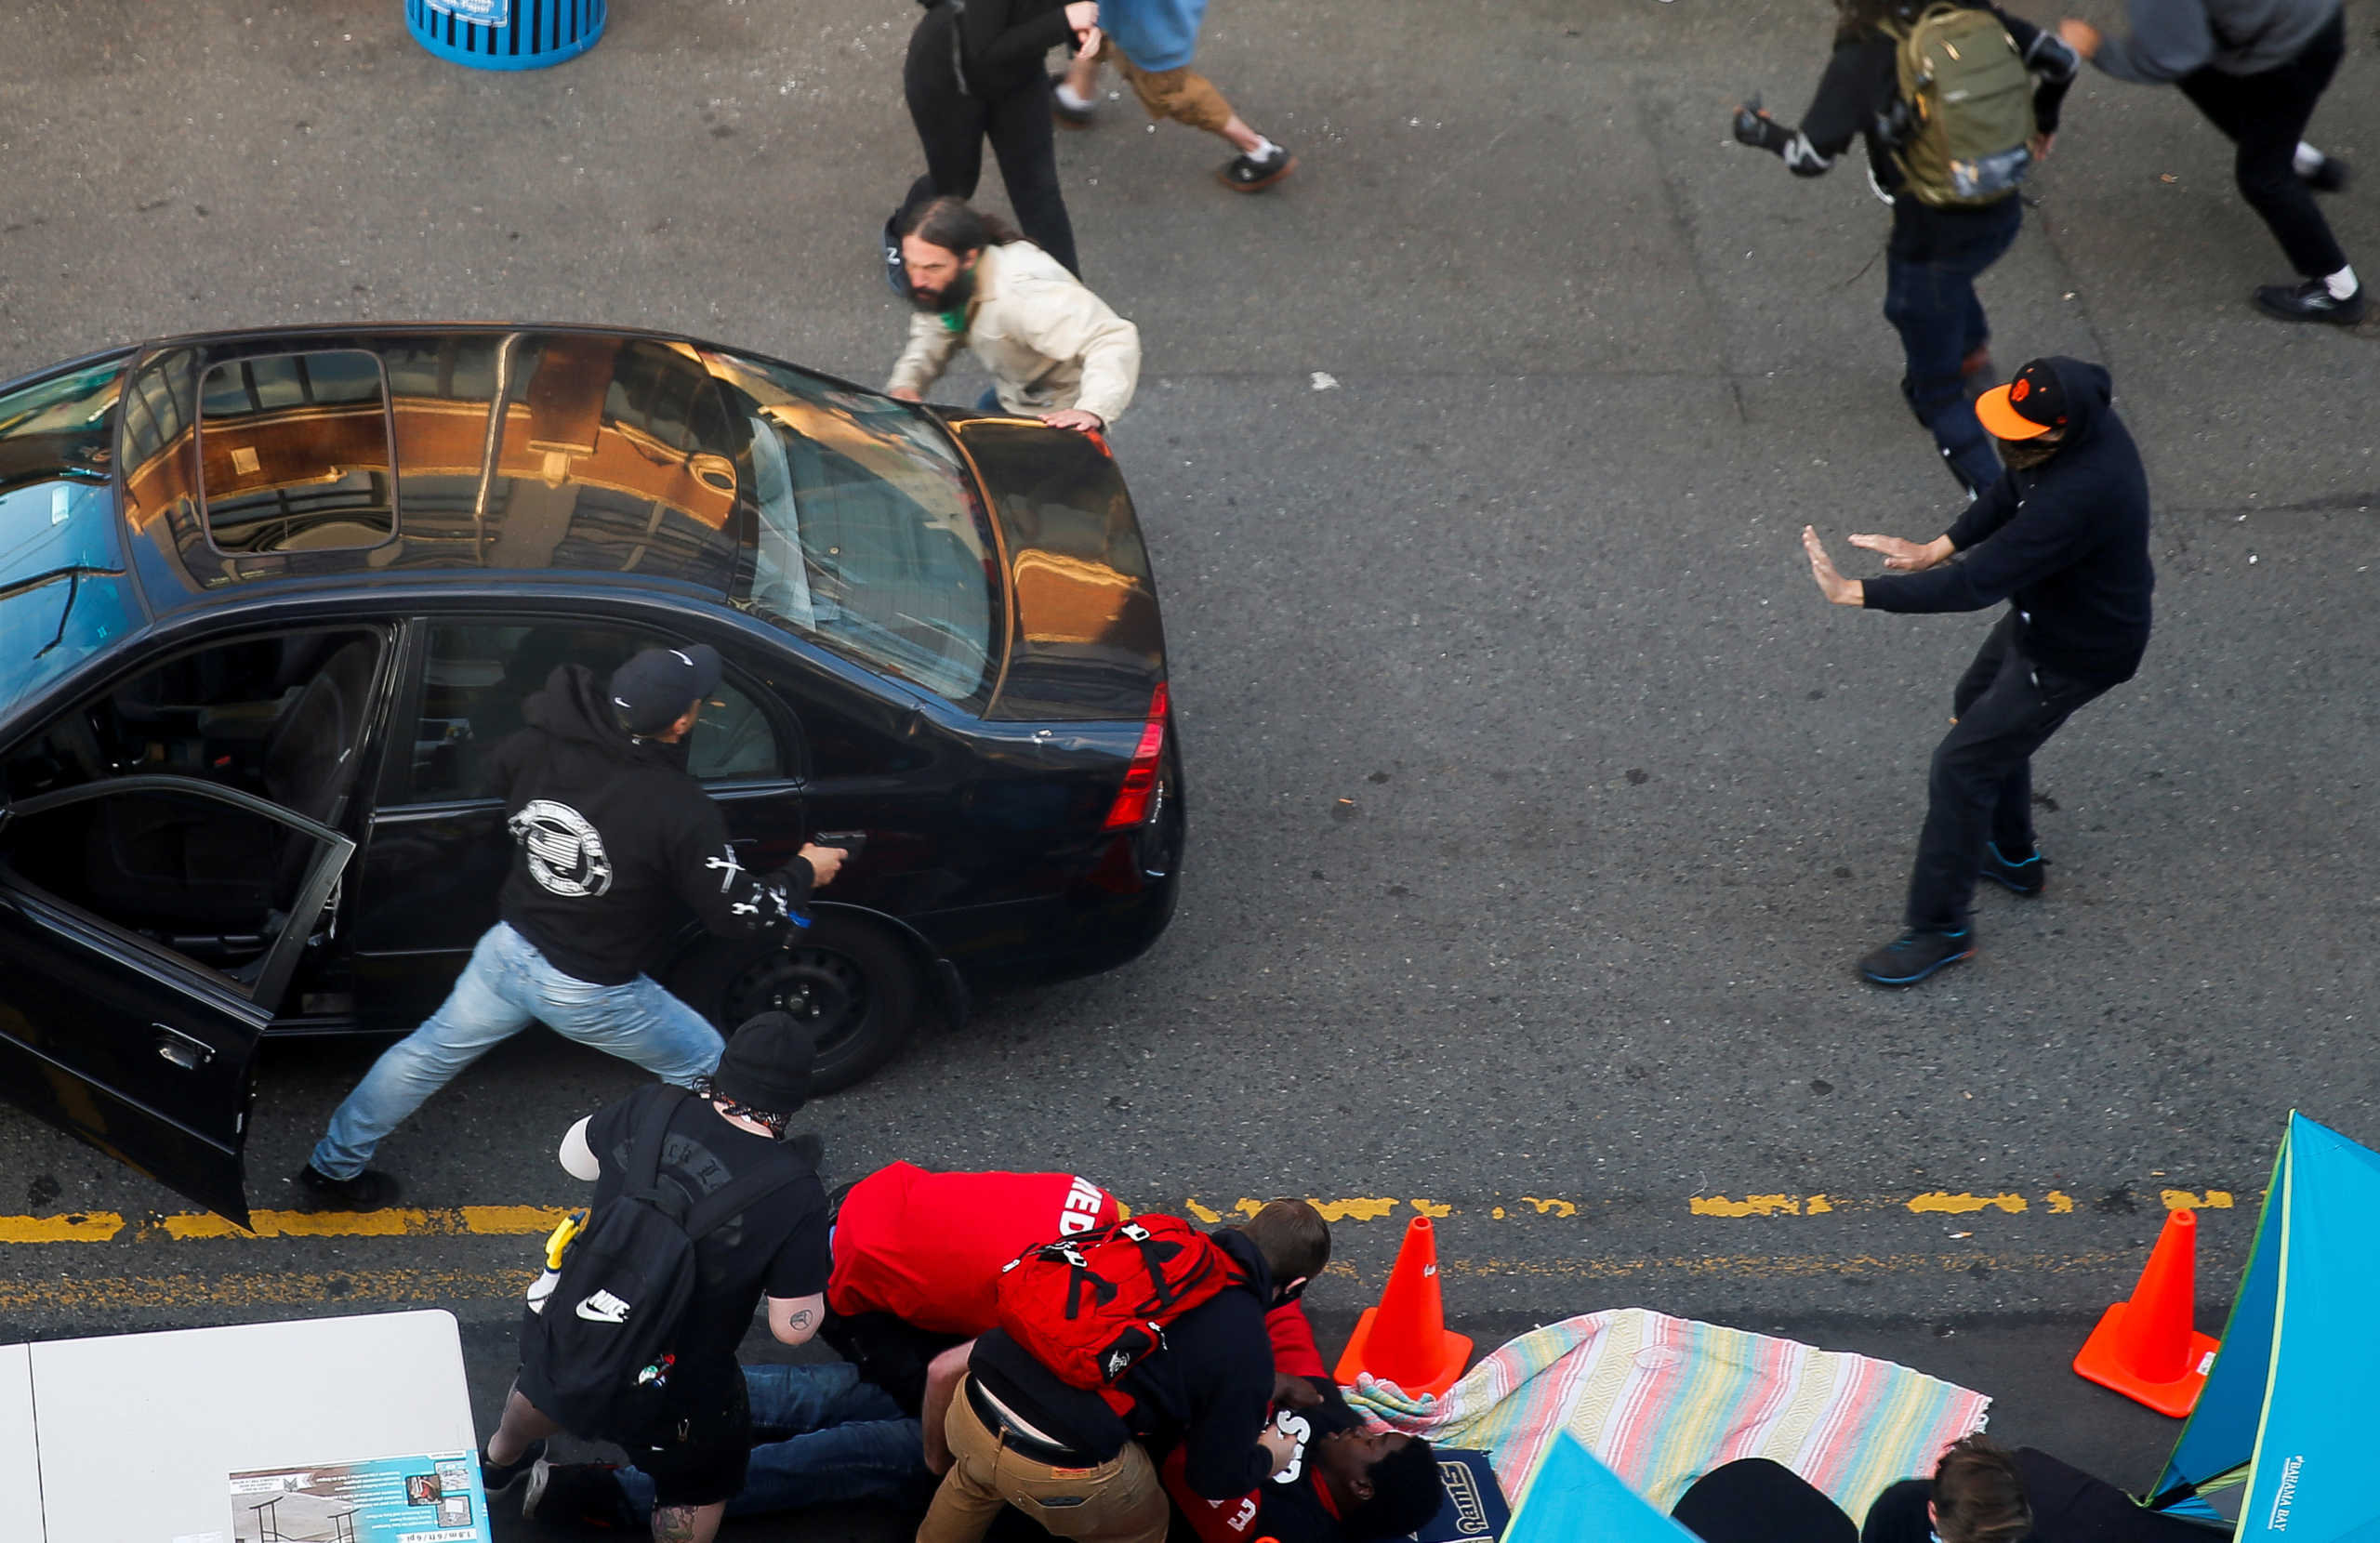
599,1340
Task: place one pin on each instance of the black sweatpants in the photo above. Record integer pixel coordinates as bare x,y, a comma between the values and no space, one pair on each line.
953,125
1981,787
2266,115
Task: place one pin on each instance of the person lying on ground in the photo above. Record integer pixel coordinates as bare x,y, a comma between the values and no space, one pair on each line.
1981,1493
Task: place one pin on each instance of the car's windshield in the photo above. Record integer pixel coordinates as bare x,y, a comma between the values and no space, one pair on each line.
62,589
868,536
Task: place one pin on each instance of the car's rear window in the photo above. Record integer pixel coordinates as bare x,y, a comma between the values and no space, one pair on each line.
63,592
869,536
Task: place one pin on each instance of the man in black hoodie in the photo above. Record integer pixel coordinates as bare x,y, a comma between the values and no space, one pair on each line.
616,842
1019,1436
2063,537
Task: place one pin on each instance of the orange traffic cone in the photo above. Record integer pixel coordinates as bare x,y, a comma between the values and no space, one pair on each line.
2144,1348
1405,1341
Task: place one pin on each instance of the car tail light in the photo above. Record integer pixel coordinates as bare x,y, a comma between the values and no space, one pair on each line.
1131,804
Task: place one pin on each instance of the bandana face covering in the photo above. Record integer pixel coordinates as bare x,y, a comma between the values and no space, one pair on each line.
2025,455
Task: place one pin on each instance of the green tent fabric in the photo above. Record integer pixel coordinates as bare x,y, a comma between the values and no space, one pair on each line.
2286,1408
1573,1498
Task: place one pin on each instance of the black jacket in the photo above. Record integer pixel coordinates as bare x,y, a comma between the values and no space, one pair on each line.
2068,543
1862,82
1208,1387
1000,42
2069,1506
615,842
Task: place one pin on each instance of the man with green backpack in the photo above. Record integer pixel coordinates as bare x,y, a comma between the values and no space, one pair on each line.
1956,100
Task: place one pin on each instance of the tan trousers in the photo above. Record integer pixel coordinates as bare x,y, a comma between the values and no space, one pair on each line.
1116,1502
1184,95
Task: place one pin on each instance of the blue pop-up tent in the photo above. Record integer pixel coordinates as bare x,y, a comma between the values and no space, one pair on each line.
1571,1497
2286,1410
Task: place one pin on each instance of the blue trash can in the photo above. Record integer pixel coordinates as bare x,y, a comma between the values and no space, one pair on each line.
506,35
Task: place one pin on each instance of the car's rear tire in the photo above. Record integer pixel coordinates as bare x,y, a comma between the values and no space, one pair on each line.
847,979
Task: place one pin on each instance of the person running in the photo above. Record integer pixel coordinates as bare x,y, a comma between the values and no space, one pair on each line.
2063,537
1150,44
974,72
1941,241
615,844
2255,68
1054,351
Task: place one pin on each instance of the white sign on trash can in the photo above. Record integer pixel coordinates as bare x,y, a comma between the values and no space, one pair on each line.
484,13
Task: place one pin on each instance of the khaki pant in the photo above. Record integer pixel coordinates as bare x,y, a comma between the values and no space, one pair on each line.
1116,1502
1182,95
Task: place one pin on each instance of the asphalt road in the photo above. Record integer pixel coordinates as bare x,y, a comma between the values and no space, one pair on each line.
1539,805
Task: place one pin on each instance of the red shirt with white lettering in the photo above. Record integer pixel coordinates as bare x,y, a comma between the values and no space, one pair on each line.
926,1248
1292,1507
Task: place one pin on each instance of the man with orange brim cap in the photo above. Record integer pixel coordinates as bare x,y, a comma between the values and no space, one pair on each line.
2063,537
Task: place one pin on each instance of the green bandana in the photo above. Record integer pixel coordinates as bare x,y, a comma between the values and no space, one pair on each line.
954,321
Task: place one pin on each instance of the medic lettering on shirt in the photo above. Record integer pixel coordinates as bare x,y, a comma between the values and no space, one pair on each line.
1081,1213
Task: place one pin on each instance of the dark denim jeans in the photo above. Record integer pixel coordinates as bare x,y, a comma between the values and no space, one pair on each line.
820,1435
1930,269
1981,787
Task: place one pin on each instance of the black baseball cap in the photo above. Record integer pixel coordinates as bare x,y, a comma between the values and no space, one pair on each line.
655,688
2028,407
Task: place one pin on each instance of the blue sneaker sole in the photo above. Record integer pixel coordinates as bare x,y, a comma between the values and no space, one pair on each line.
1937,966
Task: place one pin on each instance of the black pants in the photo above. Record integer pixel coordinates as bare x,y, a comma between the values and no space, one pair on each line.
953,125
1981,787
2265,115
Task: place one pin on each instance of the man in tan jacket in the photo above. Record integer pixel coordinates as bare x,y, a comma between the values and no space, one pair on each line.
1054,351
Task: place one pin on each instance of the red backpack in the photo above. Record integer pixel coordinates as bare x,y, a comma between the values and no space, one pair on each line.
1092,1306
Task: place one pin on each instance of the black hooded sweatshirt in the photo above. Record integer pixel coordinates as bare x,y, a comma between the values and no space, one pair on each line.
614,841
1208,1387
2067,543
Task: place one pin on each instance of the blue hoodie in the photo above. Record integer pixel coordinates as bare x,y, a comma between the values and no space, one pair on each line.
1155,34
2067,543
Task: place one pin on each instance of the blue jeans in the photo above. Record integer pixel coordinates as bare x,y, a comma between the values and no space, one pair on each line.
1930,269
507,985
822,1435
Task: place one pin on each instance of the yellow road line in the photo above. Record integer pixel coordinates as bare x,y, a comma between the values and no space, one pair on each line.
525,1220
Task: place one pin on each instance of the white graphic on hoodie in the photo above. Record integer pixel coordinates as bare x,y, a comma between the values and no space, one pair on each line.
564,850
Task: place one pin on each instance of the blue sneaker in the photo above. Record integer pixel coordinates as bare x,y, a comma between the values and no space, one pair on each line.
1915,955
2025,878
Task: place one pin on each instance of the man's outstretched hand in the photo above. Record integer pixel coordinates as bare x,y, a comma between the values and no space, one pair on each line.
1837,589
1906,557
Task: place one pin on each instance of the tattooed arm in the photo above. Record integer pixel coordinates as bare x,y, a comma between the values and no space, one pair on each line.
794,1319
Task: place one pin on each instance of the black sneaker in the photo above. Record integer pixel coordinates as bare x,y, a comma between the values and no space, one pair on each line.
1915,955
584,1496
368,1191
2330,177
496,1477
1072,117
1254,173
2025,878
2310,301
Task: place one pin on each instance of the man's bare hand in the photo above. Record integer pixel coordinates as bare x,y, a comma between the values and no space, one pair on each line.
1837,589
1073,417
1279,1445
2040,145
905,393
1295,1392
2081,36
1906,557
824,863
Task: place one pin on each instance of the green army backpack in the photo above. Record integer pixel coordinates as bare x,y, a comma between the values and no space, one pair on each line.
1970,104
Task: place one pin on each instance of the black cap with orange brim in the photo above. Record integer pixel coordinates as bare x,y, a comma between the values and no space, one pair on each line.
2030,405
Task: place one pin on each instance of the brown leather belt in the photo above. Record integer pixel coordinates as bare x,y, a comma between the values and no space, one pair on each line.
1024,1444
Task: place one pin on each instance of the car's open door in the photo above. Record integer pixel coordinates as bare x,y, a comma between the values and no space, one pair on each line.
151,925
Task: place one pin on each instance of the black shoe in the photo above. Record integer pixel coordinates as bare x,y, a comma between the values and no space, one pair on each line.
1253,174
1915,955
496,1478
1072,117
2330,177
368,1191
584,1496
2025,878
2310,301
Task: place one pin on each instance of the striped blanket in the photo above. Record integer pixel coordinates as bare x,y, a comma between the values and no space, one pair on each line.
1663,1401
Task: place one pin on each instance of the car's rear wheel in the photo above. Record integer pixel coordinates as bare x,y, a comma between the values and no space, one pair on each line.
843,978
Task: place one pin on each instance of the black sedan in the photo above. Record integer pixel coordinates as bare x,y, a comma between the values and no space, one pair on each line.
269,601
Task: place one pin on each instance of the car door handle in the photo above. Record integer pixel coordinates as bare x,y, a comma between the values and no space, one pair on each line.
181,1049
